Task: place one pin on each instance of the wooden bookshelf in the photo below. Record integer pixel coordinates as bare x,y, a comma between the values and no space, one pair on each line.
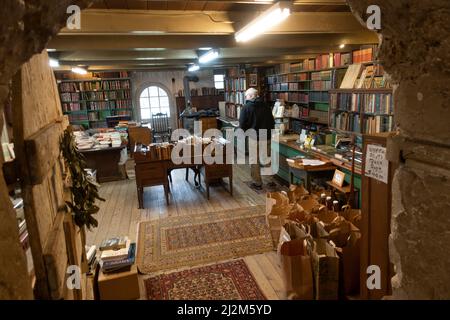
89,101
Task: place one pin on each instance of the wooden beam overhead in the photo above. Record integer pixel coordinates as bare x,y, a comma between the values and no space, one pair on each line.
199,22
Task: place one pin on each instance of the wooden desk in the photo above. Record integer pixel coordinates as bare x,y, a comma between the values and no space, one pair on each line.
105,161
150,173
213,172
307,173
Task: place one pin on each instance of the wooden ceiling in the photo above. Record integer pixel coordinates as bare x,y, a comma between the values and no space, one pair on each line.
303,6
137,34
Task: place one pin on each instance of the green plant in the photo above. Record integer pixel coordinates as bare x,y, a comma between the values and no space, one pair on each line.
84,192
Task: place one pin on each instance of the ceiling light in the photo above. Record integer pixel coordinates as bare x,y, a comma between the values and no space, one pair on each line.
268,19
193,68
205,48
53,63
150,58
50,50
79,70
342,46
209,56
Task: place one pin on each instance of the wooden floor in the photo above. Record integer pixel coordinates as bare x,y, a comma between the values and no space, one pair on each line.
119,215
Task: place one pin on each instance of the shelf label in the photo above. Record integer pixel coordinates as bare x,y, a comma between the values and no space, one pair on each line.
376,166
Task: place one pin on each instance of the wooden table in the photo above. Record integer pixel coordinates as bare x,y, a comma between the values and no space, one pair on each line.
105,161
307,173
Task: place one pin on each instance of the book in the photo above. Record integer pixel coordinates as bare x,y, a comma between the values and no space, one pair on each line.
108,255
351,76
119,265
114,243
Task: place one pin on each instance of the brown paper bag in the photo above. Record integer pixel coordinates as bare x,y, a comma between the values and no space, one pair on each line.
350,264
275,219
296,263
296,193
309,204
325,270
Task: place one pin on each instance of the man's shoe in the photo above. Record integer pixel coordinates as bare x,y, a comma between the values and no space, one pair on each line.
256,186
272,184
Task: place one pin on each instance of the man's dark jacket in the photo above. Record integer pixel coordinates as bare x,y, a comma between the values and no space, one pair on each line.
256,115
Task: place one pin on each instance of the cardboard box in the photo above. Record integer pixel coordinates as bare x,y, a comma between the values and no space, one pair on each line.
119,286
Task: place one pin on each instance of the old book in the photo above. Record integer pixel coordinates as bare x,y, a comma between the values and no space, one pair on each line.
351,76
108,255
114,243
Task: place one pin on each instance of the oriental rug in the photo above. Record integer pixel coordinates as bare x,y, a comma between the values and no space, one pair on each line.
224,281
191,240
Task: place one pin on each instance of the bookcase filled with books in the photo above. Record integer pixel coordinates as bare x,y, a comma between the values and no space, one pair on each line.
307,83
363,104
237,81
88,101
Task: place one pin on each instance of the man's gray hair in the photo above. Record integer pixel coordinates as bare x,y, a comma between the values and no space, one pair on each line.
252,93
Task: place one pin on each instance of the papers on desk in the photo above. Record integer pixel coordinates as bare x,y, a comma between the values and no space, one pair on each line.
307,162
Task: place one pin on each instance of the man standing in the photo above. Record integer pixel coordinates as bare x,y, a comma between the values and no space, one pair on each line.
258,116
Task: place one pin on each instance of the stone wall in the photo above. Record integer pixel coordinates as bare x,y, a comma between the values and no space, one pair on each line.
27,26
415,50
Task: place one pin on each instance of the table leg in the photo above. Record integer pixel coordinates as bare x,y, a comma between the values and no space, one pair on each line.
140,192
230,178
166,193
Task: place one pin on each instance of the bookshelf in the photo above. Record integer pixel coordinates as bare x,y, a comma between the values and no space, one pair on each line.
89,101
236,82
367,107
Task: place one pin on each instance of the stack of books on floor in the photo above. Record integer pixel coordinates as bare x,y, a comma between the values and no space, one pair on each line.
117,254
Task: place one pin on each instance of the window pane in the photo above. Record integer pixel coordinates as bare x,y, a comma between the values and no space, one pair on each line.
218,85
164,102
218,78
144,93
145,103
154,102
153,91
162,93
145,114
166,110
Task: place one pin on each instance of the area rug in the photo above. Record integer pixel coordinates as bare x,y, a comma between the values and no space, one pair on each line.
191,240
225,281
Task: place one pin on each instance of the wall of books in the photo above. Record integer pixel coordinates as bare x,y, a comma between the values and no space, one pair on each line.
88,102
363,103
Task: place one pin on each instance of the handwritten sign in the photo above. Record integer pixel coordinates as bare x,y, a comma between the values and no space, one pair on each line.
377,166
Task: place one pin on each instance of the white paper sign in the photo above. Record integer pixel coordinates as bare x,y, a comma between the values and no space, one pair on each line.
377,166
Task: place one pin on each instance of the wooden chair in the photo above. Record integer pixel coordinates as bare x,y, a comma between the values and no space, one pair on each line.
139,135
160,127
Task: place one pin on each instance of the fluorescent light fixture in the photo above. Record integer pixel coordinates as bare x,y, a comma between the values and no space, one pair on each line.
205,48
79,70
50,50
53,63
342,46
268,19
150,58
209,56
193,68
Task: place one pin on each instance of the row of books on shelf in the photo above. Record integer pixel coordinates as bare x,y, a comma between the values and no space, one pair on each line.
94,85
319,96
106,95
235,97
371,124
78,117
359,76
294,86
378,103
235,84
204,91
298,97
328,60
279,87
322,75
115,104
321,85
232,111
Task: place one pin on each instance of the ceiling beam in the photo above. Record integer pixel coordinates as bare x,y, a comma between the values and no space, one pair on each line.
119,22
141,42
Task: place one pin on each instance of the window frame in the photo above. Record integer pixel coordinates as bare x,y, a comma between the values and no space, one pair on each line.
147,94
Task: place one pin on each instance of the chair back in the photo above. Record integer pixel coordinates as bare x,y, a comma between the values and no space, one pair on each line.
138,135
160,123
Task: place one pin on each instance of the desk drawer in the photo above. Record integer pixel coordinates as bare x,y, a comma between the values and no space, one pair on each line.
151,170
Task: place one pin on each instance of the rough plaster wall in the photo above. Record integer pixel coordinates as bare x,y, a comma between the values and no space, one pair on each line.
142,79
27,26
415,50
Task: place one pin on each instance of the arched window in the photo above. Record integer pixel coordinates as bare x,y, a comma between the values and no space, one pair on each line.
153,100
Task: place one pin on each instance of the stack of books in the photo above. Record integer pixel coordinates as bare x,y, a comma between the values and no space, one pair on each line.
117,254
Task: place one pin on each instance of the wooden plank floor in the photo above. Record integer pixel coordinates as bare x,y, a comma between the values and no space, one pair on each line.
119,215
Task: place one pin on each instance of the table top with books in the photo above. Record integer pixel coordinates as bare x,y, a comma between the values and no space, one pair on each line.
117,254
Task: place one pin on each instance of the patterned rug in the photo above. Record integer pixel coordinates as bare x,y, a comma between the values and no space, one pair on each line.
192,240
225,281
